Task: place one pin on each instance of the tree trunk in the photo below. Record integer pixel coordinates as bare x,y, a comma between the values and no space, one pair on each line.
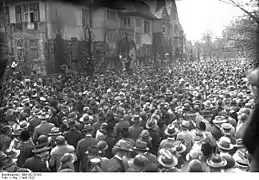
257,47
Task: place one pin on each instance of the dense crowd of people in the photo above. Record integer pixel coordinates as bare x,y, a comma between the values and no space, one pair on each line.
185,118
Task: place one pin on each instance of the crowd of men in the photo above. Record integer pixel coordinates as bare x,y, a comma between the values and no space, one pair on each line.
185,118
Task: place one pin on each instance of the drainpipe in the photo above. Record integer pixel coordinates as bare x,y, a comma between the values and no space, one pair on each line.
46,35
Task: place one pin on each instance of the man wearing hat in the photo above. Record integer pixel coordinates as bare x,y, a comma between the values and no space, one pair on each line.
67,163
39,162
57,152
224,145
185,135
83,146
100,120
25,148
171,133
136,128
167,161
34,120
154,133
216,163
122,123
72,136
101,133
5,140
7,164
137,164
241,152
117,163
141,148
44,128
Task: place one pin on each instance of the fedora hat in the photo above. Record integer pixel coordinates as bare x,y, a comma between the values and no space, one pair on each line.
219,120
40,148
55,132
167,159
226,126
151,124
123,145
224,143
43,116
24,124
171,130
243,163
136,118
216,161
138,162
140,146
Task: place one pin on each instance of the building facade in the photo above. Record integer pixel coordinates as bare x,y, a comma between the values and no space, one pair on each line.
125,29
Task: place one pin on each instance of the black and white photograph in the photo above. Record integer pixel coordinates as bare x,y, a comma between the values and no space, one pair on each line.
128,86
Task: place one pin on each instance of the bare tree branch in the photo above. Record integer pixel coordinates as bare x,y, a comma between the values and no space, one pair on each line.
232,2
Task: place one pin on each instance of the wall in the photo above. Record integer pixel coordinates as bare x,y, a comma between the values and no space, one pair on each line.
69,18
98,19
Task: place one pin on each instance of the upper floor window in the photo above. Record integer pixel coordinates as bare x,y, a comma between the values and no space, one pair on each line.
6,15
138,38
138,22
1,22
163,30
111,35
31,12
147,27
111,15
86,17
126,21
18,14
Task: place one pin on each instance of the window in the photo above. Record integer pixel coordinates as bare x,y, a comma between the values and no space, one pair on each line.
111,36
163,30
138,38
1,8
1,22
146,27
31,12
7,17
34,50
86,17
18,14
126,21
138,22
111,15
